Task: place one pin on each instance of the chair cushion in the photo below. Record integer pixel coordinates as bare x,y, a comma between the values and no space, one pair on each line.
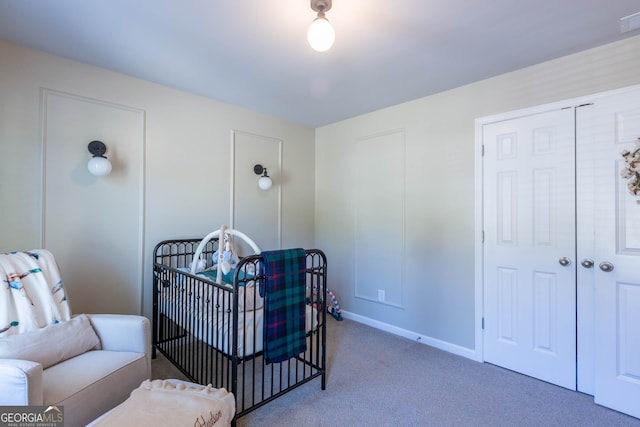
52,344
92,383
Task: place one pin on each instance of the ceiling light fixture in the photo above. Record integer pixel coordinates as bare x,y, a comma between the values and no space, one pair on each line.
321,34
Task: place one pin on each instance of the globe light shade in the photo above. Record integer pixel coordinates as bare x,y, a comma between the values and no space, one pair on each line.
265,183
321,34
99,166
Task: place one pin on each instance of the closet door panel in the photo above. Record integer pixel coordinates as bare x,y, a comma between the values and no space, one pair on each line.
529,226
609,126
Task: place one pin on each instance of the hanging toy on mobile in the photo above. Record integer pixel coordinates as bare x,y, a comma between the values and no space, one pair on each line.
225,259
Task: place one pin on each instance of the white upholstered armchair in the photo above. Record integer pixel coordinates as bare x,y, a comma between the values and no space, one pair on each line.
86,363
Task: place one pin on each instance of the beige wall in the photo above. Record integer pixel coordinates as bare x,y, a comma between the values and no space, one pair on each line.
438,281
186,186
186,164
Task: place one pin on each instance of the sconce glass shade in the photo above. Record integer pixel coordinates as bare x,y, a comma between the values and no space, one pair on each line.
321,34
99,166
265,183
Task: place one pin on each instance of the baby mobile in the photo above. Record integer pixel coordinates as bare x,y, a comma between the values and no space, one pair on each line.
632,169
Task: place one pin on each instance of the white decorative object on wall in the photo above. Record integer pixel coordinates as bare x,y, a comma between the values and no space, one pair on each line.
631,171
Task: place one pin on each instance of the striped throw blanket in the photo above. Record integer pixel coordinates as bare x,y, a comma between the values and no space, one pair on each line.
284,304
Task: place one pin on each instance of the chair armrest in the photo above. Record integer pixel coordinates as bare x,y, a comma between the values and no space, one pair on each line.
124,332
20,383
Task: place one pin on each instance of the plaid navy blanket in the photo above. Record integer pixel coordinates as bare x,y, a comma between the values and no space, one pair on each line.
284,304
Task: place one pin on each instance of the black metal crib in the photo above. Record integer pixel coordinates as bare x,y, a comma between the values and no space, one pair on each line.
212,332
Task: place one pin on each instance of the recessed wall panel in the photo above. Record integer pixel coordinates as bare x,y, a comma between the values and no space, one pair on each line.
93,225
379,200
256,212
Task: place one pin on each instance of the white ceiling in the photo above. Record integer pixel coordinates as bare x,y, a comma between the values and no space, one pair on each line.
254,53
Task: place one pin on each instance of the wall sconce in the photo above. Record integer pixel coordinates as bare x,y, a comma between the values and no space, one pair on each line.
321,34
264,182
98,165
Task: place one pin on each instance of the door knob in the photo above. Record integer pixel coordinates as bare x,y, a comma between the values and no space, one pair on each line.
606,266
587,263
564,261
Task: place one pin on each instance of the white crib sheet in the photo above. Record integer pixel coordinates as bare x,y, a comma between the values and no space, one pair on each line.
208,317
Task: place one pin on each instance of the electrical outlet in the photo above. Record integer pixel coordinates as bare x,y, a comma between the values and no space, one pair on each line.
381,296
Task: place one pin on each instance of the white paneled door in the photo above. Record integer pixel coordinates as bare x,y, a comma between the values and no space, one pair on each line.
561,249
606,128
529,245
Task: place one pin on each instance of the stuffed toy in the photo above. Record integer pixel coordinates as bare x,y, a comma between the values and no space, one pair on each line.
226,259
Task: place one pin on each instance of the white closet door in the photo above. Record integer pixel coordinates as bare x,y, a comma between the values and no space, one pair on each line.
529,249
609,126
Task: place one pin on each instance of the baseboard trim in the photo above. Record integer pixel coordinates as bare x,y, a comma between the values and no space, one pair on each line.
423,339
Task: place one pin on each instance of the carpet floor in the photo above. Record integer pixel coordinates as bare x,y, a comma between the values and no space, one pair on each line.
377,378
